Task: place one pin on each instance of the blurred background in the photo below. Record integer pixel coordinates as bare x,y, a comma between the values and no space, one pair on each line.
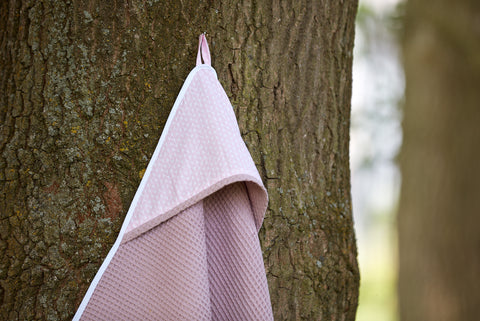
415,159
376,136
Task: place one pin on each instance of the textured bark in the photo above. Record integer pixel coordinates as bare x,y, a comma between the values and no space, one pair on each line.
86,88
439,237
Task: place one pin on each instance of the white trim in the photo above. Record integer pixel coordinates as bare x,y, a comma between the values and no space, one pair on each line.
139,192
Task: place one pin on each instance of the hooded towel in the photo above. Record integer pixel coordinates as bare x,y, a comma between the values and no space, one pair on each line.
188,248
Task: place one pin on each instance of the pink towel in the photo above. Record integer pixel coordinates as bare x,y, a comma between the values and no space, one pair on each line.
188,248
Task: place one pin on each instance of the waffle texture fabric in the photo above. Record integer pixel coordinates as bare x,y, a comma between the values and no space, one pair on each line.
188,248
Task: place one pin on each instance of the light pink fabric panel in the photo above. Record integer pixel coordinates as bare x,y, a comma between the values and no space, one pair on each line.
202,264
238,285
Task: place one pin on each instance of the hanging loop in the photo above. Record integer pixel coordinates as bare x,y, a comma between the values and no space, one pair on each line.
203,51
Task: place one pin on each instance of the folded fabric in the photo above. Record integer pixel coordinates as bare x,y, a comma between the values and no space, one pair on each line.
188,248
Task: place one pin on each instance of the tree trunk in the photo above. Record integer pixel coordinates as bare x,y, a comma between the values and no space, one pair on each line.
86,88
439,211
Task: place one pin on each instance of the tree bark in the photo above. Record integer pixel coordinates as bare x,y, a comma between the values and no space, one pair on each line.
86,88
439,210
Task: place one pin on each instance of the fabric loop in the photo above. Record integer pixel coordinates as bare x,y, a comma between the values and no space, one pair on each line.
203,51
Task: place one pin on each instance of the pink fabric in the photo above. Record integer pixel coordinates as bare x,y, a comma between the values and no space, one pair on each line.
203,147
188,249
203,51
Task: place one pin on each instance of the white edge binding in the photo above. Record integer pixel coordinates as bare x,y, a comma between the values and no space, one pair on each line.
139,192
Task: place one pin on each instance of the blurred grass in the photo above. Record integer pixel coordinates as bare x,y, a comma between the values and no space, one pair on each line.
378,270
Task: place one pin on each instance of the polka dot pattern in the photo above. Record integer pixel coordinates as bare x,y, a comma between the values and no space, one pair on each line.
202,146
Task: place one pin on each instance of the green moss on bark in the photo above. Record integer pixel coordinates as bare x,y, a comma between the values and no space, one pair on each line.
87,89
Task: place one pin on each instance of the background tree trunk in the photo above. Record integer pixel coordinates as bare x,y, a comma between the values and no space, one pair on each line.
86,88
440,202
